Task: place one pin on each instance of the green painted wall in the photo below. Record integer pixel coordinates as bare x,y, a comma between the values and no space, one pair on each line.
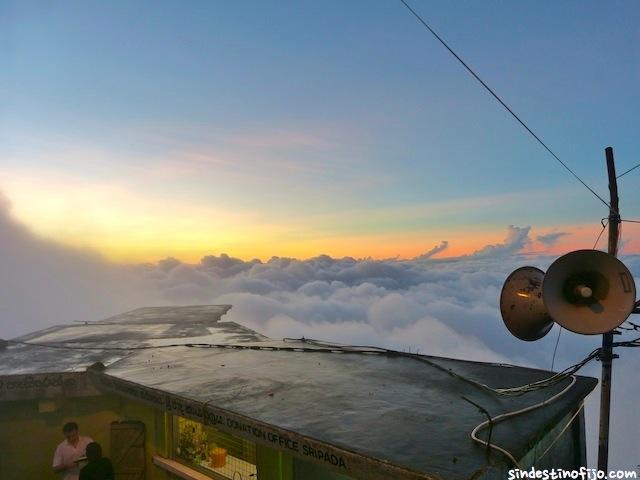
310,471
560,447
28,437
273,465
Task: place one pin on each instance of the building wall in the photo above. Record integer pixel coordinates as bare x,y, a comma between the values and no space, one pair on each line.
29,435
273,465
310,471
562,446
30,430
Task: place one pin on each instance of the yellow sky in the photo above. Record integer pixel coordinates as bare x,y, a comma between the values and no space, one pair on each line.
127,226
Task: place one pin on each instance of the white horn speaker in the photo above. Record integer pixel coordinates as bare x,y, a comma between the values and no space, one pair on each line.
521,305
588,292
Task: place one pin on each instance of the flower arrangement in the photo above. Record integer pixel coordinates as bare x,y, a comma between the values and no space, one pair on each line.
192,443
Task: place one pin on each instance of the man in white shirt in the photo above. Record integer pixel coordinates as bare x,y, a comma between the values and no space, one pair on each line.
65,459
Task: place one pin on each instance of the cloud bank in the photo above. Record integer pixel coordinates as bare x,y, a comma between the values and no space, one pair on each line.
446,307
43,283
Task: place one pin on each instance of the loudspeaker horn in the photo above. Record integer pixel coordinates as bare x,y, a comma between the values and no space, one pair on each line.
521,305
588,292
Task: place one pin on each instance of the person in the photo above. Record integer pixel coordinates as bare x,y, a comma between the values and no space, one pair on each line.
69,452
99,467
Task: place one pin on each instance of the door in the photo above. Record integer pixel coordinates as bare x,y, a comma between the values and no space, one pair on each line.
127,450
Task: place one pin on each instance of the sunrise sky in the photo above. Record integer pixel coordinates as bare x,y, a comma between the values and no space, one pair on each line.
295,128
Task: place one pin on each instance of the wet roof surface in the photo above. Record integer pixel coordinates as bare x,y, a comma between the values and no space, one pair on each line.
144,327
398,409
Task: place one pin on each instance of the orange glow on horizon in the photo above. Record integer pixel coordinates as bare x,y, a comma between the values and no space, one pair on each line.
401,245
126,227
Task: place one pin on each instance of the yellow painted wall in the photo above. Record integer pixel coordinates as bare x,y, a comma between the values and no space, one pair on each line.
28,437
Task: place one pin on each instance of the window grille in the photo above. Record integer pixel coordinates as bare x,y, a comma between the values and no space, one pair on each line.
213,452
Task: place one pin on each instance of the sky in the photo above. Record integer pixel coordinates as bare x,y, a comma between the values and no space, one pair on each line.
305,128
326,167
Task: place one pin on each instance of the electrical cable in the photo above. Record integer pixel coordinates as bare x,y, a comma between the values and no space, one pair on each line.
633,327
66,346
489,418
563,430
421,20
326,347
553,361
629,343
500,418
630,170
511,391
604,225
555,349
547,382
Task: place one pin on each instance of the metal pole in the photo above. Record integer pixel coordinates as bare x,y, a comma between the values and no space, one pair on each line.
606,355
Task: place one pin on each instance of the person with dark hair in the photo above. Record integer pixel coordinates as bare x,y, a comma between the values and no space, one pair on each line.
99,467
69,452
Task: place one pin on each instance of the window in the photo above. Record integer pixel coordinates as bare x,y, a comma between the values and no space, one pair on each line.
213,452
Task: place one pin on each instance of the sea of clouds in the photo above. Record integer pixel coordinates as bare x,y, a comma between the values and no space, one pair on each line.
446,307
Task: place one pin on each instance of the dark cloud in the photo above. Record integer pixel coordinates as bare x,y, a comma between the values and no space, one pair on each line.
551,239
517,239
434,251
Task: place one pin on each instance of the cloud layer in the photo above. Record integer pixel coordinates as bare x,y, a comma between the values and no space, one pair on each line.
443,307
43,283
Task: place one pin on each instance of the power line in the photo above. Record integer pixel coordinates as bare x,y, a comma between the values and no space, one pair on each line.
555,349
630,170
604,225
633,327
420,19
